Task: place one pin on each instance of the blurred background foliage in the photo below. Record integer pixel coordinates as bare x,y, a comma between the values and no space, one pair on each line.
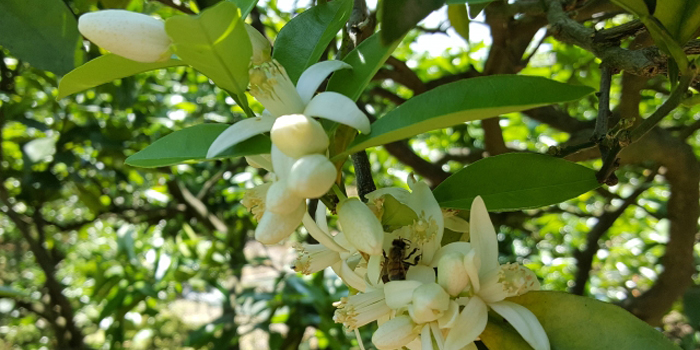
97,254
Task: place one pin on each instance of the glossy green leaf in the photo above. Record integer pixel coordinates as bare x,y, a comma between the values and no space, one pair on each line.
681,18
463,101
475,6
637,7
105,69
246,6
41,32
580,323
191,144
516,181
365,59
215,43
499,335
302,41
400,16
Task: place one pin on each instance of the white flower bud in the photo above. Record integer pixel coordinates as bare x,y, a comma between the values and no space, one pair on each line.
452,275
281,200
128,34
261,46
395,333
274,227
429,302
311,176
448,318
362,229
297,135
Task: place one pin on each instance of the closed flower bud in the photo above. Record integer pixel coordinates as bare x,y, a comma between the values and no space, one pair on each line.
274,227
452,275
281,200
362,229
297,135
395,333
311,176
132,35
261,46
429,302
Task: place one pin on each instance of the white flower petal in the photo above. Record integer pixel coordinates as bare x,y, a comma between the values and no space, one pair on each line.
274,227
374,269
454,247
298,135
421,273
471,265
525,322
281,163
312,176
425,338
319,235
399,293
281,200
426,206
349,276
470,323
311,79
491,289
437,335
338,108
321,218
238,132
452,274
483,236
133,35
400,194
362,229
448,319
395,333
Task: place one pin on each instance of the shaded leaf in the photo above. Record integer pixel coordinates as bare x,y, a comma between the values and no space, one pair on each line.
580,323
691,306
463,101
302,41
459,19
400,16
516,181
365,59
215,43
41,32
191,144
105,69
396,214
245,5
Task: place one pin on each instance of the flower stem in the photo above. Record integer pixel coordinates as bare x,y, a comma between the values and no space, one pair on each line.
339,193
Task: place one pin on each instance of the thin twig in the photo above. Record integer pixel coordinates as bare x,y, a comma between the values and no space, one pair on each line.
182,8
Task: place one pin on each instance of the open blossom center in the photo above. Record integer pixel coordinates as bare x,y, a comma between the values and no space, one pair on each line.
517,279
254,200
360,309
423,230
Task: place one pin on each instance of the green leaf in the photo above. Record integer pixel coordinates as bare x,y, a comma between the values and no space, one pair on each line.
580,323
303,40
463,101
215,43
400,16
105,69
191,144
396,214
9,292
114,303
246,6
516,181
365,59
459,19
501,336
637,7
681,18
41,32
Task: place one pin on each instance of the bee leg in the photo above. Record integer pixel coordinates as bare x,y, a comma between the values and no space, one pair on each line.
411,253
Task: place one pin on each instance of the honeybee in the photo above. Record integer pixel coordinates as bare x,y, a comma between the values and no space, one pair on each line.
397,263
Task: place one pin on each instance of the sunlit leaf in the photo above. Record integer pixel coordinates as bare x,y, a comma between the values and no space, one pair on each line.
580,323
303,40
105,69
215,43
463,101
365,59
516,181
192,144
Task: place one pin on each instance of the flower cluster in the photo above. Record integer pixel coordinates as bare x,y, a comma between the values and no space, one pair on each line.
423,295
